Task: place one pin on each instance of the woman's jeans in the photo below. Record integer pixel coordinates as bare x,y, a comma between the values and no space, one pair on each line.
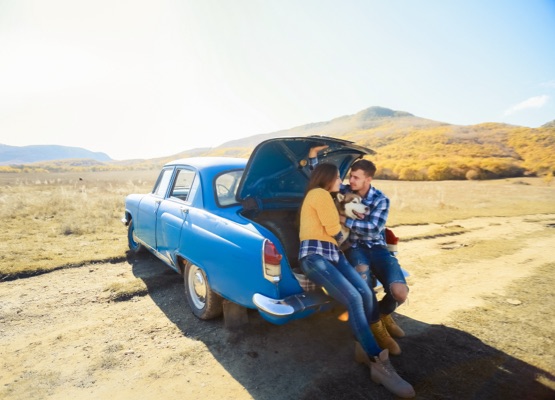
384,266
345,285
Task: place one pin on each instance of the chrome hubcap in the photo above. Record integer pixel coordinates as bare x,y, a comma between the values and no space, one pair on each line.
197,287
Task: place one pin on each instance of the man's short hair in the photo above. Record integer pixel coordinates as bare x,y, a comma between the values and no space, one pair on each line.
366,165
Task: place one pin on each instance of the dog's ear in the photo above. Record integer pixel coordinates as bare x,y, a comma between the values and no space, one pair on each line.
339,196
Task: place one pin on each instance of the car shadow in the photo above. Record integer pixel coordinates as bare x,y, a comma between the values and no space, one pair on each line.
313,358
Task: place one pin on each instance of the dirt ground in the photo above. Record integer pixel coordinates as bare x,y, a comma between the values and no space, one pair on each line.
480,325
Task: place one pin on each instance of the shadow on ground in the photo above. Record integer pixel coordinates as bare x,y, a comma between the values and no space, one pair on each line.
313,358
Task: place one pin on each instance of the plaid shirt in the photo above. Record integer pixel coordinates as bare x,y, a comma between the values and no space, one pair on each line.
327,250
369,231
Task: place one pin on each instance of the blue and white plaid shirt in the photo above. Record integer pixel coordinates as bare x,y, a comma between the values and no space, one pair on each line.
327,250
370,230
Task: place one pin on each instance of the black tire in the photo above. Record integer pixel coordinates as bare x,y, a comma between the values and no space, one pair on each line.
134,246
205,303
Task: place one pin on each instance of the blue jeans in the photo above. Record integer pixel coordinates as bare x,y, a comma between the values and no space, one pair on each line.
345,285
384,266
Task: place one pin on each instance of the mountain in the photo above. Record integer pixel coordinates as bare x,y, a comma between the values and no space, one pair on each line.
366,119
413,148
36,153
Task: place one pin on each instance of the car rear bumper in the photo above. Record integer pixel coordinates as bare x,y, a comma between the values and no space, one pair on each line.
280,311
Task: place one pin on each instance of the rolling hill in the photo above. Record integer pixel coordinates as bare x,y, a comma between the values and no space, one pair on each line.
37,153
408,147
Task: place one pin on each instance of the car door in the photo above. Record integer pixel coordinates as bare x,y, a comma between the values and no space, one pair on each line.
173,212
145,223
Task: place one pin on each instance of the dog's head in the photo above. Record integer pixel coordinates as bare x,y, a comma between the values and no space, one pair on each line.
351,206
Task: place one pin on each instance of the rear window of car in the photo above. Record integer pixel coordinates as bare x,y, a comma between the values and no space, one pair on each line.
225,187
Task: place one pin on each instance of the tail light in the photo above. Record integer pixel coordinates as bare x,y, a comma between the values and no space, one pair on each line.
271,262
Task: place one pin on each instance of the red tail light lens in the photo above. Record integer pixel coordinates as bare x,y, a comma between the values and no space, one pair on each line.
271,255
271,262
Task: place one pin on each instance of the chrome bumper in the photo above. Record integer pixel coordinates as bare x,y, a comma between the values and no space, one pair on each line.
291,305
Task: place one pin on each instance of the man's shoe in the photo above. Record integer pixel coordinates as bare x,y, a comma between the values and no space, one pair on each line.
391,326
384,339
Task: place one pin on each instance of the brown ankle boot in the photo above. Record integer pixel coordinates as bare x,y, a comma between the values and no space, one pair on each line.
383,373
384,339
391,326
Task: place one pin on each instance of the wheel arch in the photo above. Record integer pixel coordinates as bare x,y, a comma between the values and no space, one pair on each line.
182,262
127,217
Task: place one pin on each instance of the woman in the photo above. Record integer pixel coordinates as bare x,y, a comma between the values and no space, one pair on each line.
324,264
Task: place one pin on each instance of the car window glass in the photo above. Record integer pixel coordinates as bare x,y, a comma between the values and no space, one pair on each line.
163,182
183,184
226,187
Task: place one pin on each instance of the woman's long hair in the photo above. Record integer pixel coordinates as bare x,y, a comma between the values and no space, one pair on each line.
323,176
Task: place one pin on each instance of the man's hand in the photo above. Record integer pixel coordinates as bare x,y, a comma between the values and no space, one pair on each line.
313,152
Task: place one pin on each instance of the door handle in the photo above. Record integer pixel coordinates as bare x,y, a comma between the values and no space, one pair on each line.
185,210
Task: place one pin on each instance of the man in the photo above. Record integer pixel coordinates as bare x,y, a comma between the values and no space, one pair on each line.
369,251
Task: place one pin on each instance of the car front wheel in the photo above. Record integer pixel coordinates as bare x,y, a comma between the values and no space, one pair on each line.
205,303
134,245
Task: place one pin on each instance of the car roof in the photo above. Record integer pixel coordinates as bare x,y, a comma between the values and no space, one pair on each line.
207,162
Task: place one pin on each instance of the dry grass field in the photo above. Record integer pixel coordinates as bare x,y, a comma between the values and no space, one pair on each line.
56,220
79,318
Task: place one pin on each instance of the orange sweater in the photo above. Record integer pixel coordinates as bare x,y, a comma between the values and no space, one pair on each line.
319,217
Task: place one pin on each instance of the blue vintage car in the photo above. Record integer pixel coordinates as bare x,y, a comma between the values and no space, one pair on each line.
229,226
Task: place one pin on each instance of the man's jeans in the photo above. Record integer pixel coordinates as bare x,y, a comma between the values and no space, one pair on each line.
384,266
345,285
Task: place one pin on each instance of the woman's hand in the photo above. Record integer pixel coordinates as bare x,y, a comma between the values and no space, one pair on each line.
313,152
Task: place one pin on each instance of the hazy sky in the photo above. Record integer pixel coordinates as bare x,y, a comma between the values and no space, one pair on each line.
142,79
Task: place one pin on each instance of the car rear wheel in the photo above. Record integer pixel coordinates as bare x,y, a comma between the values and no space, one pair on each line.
205,303
134,245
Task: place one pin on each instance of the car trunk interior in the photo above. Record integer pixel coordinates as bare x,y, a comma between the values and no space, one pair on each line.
284,224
